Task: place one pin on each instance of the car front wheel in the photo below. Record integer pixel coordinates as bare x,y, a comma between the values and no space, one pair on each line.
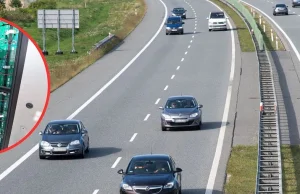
42,157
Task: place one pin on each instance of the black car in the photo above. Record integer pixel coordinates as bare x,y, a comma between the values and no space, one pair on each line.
64,137
155,173
179,11
181,111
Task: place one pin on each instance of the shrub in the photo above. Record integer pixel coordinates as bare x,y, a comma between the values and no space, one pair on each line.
17,16
43,4
16,3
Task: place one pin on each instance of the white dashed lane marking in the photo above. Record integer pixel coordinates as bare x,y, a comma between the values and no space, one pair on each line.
189,46
172,76
157,101
132,138
96,191
116,162
182,59
178,68
185,53
166,87
191,41
147,117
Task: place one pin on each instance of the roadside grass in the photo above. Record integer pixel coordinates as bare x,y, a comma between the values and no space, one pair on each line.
244,35
270,45
97,20
291,168
241,170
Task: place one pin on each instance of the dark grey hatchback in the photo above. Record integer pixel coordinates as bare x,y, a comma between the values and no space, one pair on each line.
149,174
64,137
181,111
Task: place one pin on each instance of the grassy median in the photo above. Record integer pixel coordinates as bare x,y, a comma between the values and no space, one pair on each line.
291,168
241,170
244,35
97,19
271,45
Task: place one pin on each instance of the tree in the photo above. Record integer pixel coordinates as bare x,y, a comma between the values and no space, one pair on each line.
2,4
16,3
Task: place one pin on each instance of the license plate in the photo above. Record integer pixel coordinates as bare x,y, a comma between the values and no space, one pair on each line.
174,29
59,149
180,120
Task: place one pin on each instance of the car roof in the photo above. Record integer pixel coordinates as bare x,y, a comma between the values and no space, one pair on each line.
64,121
181,96
280,4
217,12
151,157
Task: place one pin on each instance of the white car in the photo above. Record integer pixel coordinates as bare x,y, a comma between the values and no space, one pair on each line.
217,21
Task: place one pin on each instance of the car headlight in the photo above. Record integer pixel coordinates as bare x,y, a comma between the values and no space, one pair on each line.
194,115
126,187
173,14
183,14
166,116
45,144
76,142
169,185
168,28
180,27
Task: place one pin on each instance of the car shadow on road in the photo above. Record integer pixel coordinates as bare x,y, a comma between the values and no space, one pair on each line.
198,191
189,18
94,153
188,33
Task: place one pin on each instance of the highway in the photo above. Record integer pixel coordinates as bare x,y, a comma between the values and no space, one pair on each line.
124,120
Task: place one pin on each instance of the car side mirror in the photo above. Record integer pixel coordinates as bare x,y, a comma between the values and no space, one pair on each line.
84,131
207,18
200,106
161,108
166,23
120,171
183,22
178,170
41,133
226,17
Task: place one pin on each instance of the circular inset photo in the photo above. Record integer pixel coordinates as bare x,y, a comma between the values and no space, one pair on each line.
24,85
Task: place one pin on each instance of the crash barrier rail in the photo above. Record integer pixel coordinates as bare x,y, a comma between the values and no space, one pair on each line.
269,171
248,16
104,41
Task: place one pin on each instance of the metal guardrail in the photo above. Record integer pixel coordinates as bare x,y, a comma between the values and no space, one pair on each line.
269,171
103,42
245,12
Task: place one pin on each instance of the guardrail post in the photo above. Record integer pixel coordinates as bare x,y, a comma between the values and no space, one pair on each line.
260,20
272,36
264,26
276,43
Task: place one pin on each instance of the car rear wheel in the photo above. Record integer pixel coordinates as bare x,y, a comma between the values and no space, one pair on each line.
163,128
274,14
287,13
209,30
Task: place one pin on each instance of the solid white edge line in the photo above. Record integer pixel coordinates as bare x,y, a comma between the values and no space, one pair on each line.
35,148
132,138
172,76
116,162
216,161
157,101
166,87
96,191
281,30
147,116
178,67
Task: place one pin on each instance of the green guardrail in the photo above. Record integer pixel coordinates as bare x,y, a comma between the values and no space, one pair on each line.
248,16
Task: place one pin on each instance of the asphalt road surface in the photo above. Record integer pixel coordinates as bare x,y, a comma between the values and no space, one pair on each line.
197,63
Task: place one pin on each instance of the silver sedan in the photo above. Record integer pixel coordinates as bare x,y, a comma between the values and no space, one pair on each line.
180,112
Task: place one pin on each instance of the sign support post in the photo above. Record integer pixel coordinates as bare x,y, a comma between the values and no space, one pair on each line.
73,33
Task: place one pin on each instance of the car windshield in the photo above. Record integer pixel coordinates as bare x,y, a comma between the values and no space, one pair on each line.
173,21
280,5
178,10
217,15
180,103
149,167
62,129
